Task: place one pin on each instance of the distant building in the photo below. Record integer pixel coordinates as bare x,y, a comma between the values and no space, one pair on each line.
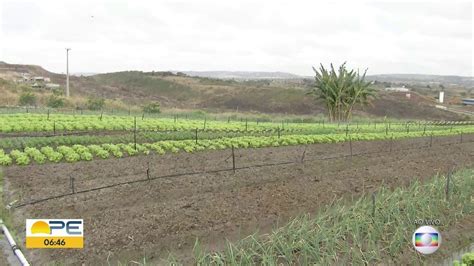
52,85
441,97
38,79
468,101
399,89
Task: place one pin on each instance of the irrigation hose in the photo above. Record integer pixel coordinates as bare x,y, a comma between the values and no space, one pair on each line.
13,245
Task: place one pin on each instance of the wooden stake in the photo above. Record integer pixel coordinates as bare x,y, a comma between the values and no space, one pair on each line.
135,132
350,145
148,171
303,155
448,179
233,158
196,135
373,204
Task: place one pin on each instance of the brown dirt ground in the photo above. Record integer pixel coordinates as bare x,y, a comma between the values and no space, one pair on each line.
151,218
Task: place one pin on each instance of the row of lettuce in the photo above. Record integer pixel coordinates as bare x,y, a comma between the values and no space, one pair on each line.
15,123
43,123
20,142
76,152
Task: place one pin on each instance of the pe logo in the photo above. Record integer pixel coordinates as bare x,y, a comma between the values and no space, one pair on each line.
54,233
426,240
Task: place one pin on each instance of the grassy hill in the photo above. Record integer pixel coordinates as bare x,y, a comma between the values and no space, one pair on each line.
133,89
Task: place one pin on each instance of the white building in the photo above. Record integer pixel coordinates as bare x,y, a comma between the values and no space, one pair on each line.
52,85
399,89
441,97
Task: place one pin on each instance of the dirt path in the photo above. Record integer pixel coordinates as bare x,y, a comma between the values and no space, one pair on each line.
152,218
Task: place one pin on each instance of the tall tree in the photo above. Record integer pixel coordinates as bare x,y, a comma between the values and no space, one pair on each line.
341,90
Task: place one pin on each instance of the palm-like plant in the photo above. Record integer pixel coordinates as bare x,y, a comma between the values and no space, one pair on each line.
341,90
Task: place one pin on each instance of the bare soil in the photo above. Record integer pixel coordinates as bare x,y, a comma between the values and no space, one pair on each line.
165,215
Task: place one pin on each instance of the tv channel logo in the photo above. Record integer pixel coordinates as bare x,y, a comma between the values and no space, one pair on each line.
54,233
426,240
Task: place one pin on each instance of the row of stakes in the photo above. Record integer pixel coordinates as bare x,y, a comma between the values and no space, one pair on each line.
148,174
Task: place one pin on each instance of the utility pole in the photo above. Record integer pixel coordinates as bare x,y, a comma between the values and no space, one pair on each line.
67,72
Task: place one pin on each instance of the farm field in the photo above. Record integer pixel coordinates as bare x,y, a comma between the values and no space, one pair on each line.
148,188
118,136
216,133
137,207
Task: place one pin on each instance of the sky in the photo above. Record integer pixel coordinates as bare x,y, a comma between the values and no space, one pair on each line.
251,35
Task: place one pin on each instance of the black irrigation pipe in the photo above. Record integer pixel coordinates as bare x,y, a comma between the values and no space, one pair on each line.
148,179
115,185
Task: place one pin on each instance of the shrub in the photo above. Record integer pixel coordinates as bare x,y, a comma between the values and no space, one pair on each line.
58,91
152,108
27,98
55,101
95,104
